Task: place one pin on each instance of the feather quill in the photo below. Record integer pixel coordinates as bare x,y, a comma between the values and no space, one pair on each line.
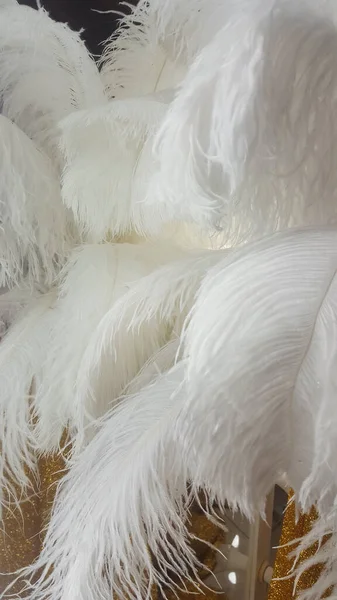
261,363
45,74
255,153
36,230
100,544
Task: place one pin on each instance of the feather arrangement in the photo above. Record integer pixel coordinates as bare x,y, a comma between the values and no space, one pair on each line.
174,361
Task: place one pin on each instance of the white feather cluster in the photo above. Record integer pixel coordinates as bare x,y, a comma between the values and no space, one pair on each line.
172,367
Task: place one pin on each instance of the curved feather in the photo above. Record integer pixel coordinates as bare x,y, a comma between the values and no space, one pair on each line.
261,370
134,62
255,153
145,319
108,164
100,544
36,230
45,74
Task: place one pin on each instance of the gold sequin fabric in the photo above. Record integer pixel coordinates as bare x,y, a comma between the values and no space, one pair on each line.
292,530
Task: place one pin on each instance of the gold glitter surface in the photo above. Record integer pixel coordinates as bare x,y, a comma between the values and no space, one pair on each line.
22,532
283,590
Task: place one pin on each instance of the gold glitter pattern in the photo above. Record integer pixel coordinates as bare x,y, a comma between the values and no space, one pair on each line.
291,530
21,536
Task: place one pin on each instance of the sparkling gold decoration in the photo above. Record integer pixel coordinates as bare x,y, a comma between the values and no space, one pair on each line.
291,530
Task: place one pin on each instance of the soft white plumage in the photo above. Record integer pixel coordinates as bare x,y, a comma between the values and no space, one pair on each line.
36,230
21,354
145,319
67,395
45,74
261,369
108,165
135,62
222,364
101,543
12,301
255,152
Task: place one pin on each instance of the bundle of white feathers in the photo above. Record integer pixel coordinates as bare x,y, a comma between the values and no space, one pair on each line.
168,260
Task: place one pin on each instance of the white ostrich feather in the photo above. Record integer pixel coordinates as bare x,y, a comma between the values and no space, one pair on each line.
36,230
96,277
261,370
100,543
255,152
21,354
108,164
144,320
134,62
45,73
157,42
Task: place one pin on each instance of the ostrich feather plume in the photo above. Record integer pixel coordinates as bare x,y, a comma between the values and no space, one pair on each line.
263,360
101,543
50,345
255,152
135,62
45,74
67,396
149,316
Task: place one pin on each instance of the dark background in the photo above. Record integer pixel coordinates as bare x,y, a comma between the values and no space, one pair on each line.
79,14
